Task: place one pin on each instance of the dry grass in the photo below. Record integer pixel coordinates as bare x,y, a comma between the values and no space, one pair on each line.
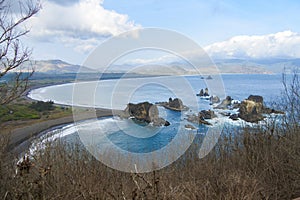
248,164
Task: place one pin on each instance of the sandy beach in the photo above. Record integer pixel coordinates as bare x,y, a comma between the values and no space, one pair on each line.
21,136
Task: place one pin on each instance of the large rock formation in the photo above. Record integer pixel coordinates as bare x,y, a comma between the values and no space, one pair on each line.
145,112
174,104
252,109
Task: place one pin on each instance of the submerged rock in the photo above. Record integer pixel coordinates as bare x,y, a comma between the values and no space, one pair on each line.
234,117
189,126
226,114
144,112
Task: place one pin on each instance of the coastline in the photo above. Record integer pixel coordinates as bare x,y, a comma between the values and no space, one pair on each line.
20,138
25,133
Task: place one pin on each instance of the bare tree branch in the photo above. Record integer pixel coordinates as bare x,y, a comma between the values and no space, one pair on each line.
12,54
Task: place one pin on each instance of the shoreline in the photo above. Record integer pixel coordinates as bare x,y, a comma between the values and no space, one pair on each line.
20,138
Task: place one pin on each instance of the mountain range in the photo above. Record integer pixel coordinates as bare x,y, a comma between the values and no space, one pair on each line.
253,66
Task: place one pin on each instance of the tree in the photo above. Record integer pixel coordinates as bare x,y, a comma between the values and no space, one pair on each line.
13,79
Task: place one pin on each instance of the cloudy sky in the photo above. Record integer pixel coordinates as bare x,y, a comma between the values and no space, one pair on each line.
70,29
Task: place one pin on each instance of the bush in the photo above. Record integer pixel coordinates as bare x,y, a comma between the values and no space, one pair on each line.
41,106
17,112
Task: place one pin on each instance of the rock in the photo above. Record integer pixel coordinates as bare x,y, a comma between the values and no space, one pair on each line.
167,123
235,104
206,92
256,98
201,93
214,99
160,121
144,112
197,119
202,121
209,77
174,104
252,109
189,126
225,103
207,114
234,117
226,114
270,111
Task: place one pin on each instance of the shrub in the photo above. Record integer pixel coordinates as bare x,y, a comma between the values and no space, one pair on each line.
41,106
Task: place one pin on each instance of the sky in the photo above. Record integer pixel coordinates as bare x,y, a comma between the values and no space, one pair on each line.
71,29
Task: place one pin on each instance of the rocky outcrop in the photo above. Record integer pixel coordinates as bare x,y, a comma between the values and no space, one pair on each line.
215,99
144,112
225,103
207,114
209,77
252,109
174,104
197,119
203,93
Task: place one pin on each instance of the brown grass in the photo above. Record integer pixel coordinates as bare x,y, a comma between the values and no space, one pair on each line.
253,165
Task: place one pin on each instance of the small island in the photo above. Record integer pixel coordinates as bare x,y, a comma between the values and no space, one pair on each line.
144,112
174,104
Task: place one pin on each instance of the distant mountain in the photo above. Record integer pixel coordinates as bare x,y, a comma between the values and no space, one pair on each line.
57,67
270,65
254,66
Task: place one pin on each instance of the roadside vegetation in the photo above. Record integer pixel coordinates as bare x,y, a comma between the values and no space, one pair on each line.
259,162
28,111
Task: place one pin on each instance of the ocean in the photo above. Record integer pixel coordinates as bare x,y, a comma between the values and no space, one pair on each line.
125,136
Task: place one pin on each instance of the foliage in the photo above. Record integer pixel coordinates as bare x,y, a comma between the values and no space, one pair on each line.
41,106
17,112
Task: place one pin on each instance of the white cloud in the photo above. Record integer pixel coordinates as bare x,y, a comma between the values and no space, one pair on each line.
284,44
81,24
